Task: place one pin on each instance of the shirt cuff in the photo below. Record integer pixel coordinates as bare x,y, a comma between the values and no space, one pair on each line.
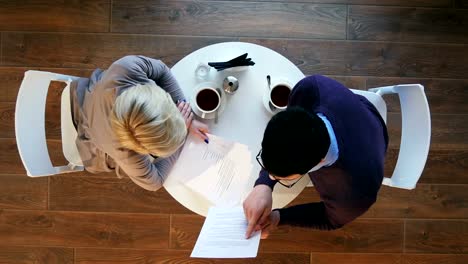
264,178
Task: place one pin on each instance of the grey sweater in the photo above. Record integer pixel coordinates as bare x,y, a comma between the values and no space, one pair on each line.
93,100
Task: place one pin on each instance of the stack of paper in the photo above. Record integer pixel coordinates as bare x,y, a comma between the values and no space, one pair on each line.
219,170
223,235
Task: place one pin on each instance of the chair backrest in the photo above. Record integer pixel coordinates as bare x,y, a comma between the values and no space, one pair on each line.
30,125
415,134
376,100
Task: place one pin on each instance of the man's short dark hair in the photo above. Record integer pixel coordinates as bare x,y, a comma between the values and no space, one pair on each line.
294,142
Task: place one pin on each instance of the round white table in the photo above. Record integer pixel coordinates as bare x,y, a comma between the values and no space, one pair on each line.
244,117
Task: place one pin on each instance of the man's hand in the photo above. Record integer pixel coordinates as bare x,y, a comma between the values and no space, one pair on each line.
271,224
257,208
199,129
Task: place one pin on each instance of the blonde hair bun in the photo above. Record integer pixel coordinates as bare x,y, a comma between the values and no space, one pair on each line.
146,120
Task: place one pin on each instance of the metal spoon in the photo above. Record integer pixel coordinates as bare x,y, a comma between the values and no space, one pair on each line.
216,112
272,107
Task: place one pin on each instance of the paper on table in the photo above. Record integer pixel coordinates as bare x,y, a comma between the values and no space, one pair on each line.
219,170
223,235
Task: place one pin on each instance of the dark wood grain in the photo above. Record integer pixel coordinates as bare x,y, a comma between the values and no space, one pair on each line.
35,255
230,18
434,259
442,166
432,236
325,258
86,218
73,229
22,192
7,120
359,236
407,24
371,58
126,256
56,15
447,131
352,82
10,161
185,230
426,3
425,201
109,195
461,3
94,50
444,96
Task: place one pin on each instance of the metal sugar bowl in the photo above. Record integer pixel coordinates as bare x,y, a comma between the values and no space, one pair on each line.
230,84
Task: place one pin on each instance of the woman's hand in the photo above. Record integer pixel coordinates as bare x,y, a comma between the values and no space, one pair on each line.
199,129
186,112
194,126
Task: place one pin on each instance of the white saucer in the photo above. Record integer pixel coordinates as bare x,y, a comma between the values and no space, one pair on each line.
193,100
266,102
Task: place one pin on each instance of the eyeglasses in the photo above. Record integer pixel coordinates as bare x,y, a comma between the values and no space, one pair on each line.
285,183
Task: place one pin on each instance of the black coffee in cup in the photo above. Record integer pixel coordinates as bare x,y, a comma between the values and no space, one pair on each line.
207,99
280,95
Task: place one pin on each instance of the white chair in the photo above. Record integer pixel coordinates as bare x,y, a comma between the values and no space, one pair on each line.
415,131
30,125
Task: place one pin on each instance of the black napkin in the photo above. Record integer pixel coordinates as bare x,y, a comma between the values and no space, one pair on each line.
242,60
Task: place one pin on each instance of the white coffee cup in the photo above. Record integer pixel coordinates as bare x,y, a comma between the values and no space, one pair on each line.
207,100
279,95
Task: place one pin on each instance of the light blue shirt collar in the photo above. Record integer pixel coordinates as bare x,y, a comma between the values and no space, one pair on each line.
333,152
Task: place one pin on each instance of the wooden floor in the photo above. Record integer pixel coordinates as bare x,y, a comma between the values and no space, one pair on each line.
85,218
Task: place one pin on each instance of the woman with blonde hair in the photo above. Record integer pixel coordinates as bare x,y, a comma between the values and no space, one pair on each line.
132,118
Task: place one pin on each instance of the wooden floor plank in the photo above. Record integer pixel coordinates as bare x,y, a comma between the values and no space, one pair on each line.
22,192
447,131
444,96
436,236
359,236
230,18
424,3
36,255
10,161
94,50
425,201
109,195
352,82
75,229
103,219
56,15
442,166
312,56
407,24
327,258
390,59
126,256
434,259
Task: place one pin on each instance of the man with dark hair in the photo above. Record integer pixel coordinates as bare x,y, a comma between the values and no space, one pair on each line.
336,137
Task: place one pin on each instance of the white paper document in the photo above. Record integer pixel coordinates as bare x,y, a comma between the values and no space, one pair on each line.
219,171
223,235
